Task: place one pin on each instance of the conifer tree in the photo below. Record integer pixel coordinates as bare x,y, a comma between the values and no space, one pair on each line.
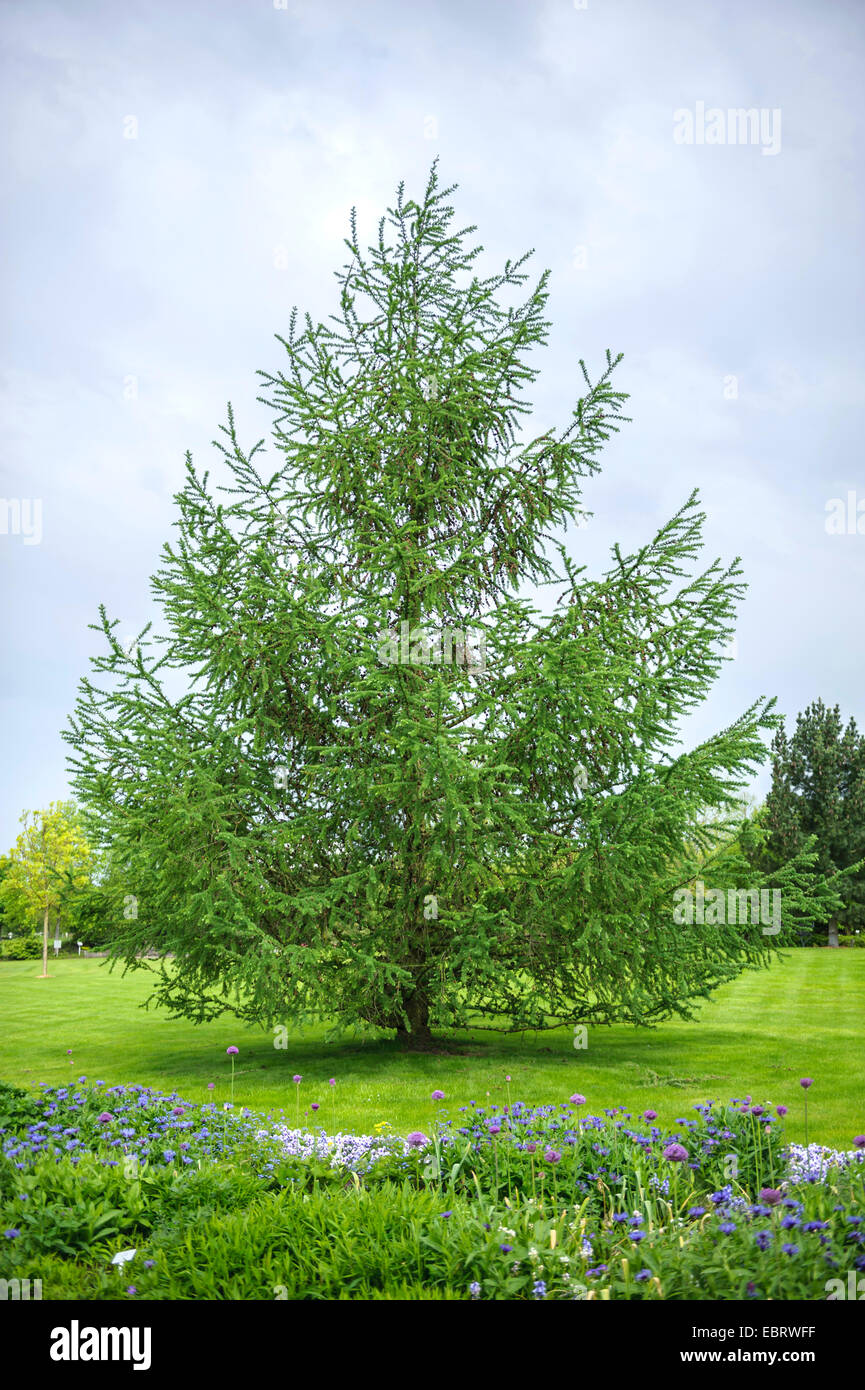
818,792
359,773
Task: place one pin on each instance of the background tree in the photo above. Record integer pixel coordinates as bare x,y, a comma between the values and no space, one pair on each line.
98,907
336,817
818,790
8,922
50,861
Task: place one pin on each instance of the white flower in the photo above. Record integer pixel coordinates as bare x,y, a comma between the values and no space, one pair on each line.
123,1256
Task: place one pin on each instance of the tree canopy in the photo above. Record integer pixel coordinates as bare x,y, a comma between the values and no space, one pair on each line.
394,788
818,792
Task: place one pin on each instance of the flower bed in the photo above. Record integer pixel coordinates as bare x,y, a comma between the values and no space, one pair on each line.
501,1202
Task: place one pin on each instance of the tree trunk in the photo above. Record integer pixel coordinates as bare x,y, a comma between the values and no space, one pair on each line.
45,945
833,933
417,1037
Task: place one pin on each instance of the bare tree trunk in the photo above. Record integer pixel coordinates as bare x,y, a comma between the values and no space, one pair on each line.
44,975
833,933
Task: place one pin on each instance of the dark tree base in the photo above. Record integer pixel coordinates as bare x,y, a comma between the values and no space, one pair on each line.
420,1040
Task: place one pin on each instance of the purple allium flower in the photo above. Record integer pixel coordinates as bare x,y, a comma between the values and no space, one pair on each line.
438,1095
211,1085
771,1195
106,1117
232,1051
578,1099
531,1147
551,1156
859,1141
757,1110
495,1129
297,1080
416,1140
507,1078
806,1082
782,1110
650,1114
332,1081
314,1105
676,1153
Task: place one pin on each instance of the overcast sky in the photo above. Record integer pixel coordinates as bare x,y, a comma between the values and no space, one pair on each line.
178,175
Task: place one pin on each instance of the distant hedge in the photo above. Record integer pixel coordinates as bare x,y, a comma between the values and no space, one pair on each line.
21,948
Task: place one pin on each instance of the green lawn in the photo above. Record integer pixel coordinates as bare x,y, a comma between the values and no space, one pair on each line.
804,1017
